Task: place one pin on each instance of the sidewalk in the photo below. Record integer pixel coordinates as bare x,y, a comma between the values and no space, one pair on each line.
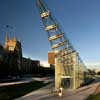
45,94
79,94
17,82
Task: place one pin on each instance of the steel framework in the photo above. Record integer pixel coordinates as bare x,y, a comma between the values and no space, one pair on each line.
59,44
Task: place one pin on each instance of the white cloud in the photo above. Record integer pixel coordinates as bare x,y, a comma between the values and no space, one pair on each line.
45,63
93,64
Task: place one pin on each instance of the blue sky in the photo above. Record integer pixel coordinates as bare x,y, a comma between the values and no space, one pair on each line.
80,20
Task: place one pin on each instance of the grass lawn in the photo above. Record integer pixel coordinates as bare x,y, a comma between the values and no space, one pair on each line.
14,91
94,97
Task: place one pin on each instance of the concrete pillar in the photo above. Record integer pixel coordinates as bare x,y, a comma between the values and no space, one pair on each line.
75,70
58,73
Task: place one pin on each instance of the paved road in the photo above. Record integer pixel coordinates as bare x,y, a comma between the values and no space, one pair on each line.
46,94
26,80
79,94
